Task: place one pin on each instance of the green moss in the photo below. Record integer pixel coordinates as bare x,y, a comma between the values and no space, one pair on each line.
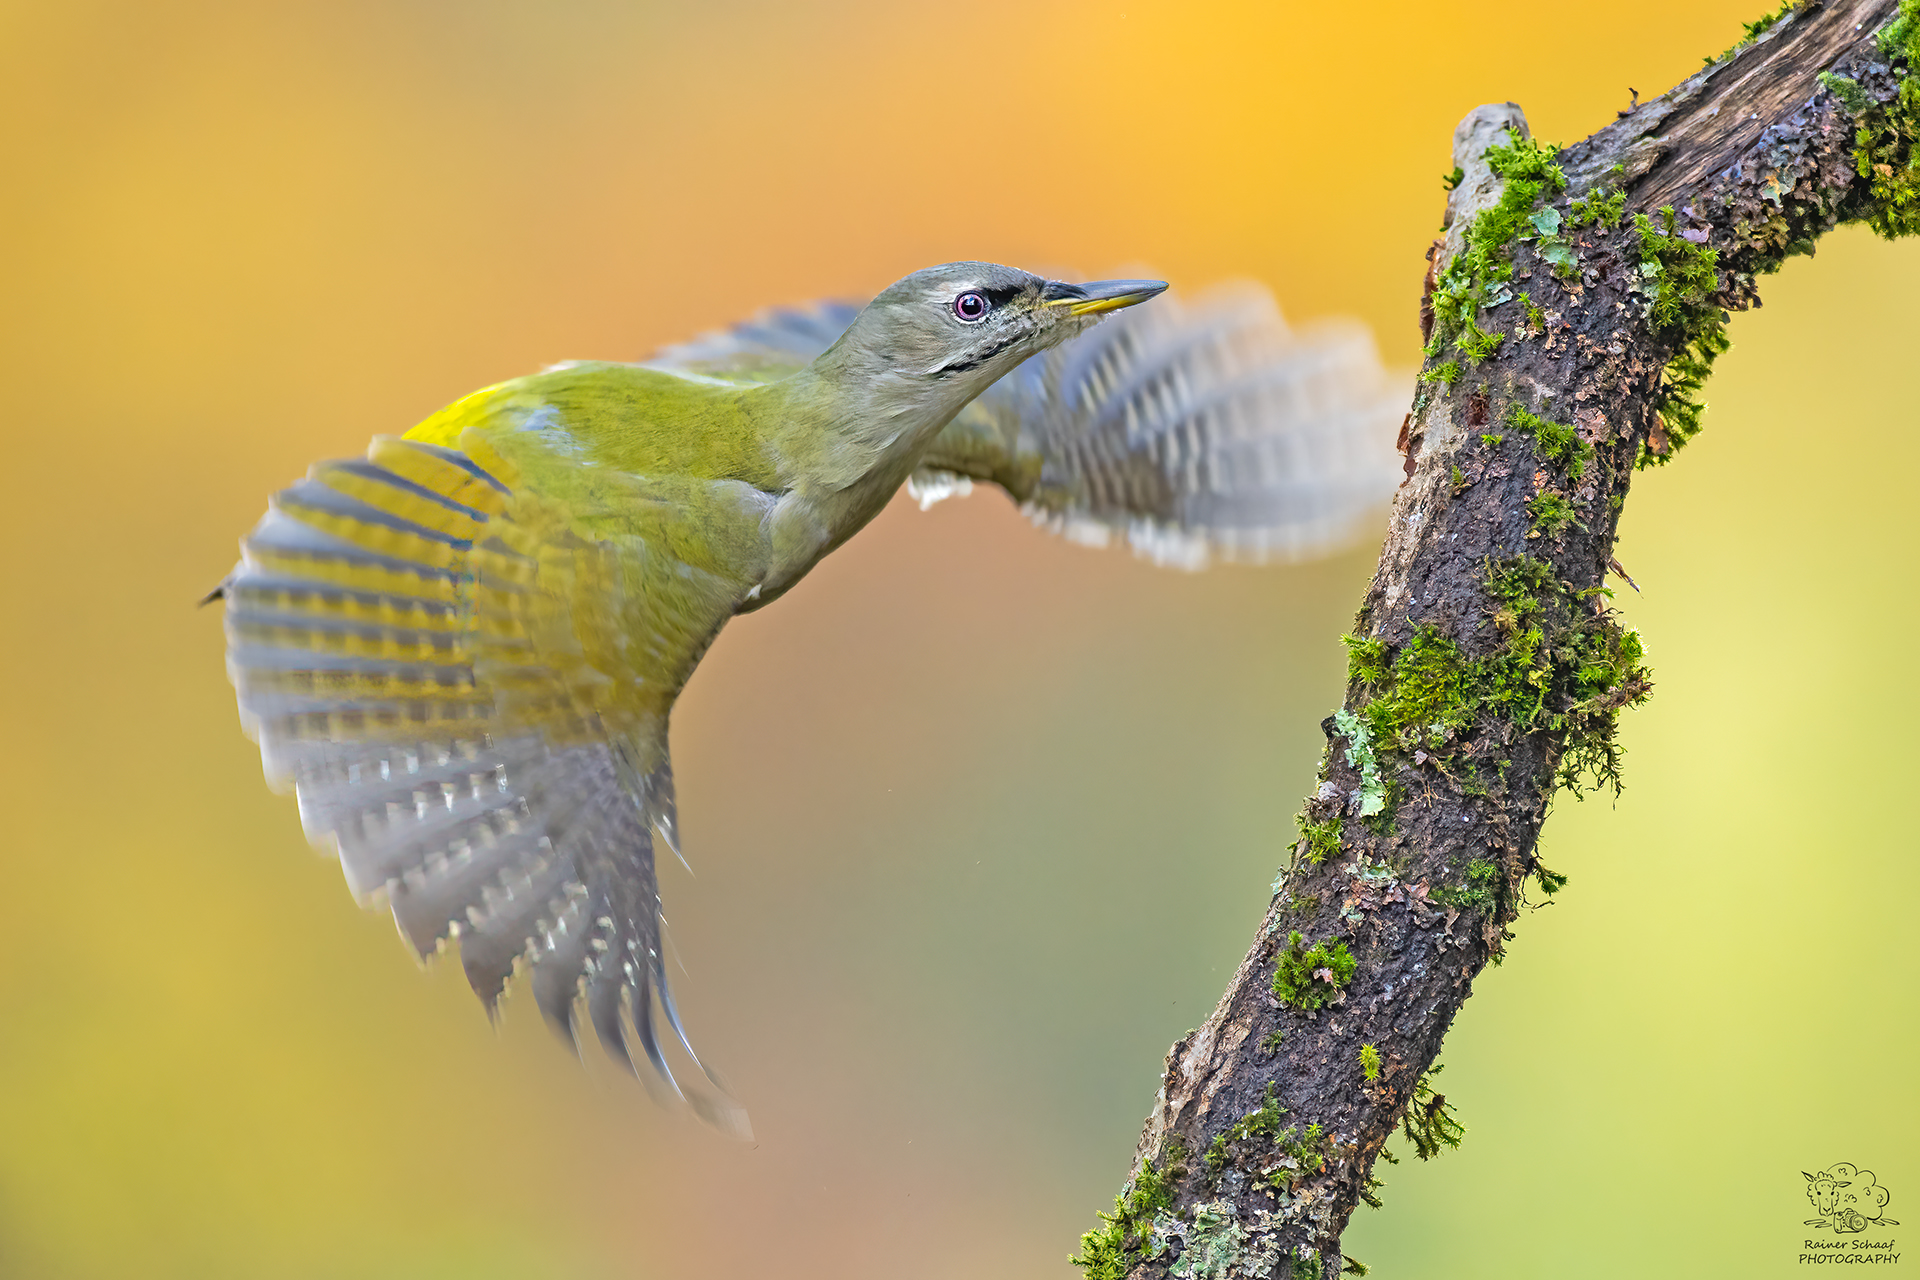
1452,180
1119,1245
1478,344
1551,512
1454,474
1370,1189
1446,373
1751,31
1884,135
1682,386
1551,882
1473,278
1428,1122
1608,672
1270,1043
1854,98
1536,318
1602,207
1679,279
1262,1122
1353,1266
1554,665
1323,838
1308,978
1276,1154
1308,1149
1554,441
1492,438
1894,39
1304,1266
1677,276
1369,1062
1367,660
1424,697
1480,893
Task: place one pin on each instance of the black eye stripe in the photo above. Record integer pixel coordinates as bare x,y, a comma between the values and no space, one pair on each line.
974,305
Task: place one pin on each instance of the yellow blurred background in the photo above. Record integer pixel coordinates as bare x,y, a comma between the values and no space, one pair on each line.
981,821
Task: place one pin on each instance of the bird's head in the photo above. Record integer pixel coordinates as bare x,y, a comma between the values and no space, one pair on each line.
941,336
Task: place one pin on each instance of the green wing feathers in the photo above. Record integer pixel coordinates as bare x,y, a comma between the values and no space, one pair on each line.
467,681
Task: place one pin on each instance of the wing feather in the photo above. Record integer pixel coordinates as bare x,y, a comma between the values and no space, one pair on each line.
1196,431
437,664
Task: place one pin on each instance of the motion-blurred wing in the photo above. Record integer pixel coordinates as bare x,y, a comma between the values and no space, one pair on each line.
771,345
448,673
1195,430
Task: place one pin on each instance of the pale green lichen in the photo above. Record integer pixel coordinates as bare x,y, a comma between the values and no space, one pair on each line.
1372,794
1216,1245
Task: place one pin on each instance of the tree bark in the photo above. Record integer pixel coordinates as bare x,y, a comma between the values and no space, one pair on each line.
1569,338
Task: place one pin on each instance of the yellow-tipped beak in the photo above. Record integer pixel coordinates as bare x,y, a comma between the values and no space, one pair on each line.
1101,295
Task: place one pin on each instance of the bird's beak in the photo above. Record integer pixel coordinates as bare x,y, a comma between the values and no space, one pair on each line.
1101,295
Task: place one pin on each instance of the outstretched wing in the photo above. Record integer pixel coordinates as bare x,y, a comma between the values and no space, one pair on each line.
1194,430
467,684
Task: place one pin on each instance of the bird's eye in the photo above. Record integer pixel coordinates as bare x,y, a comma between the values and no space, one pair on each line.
971,308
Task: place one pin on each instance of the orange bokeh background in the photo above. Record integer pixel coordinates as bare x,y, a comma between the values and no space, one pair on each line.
981,821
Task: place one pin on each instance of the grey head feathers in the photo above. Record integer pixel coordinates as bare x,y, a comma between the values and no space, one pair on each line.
939,337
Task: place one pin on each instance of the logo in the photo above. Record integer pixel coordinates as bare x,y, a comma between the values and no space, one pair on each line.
1848,1199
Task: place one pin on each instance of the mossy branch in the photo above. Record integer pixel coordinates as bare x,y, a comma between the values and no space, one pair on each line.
1574,315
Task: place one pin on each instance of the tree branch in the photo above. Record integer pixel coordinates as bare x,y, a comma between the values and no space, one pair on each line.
1573,312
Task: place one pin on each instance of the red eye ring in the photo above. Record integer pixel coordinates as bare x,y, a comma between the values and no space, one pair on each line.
971,308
